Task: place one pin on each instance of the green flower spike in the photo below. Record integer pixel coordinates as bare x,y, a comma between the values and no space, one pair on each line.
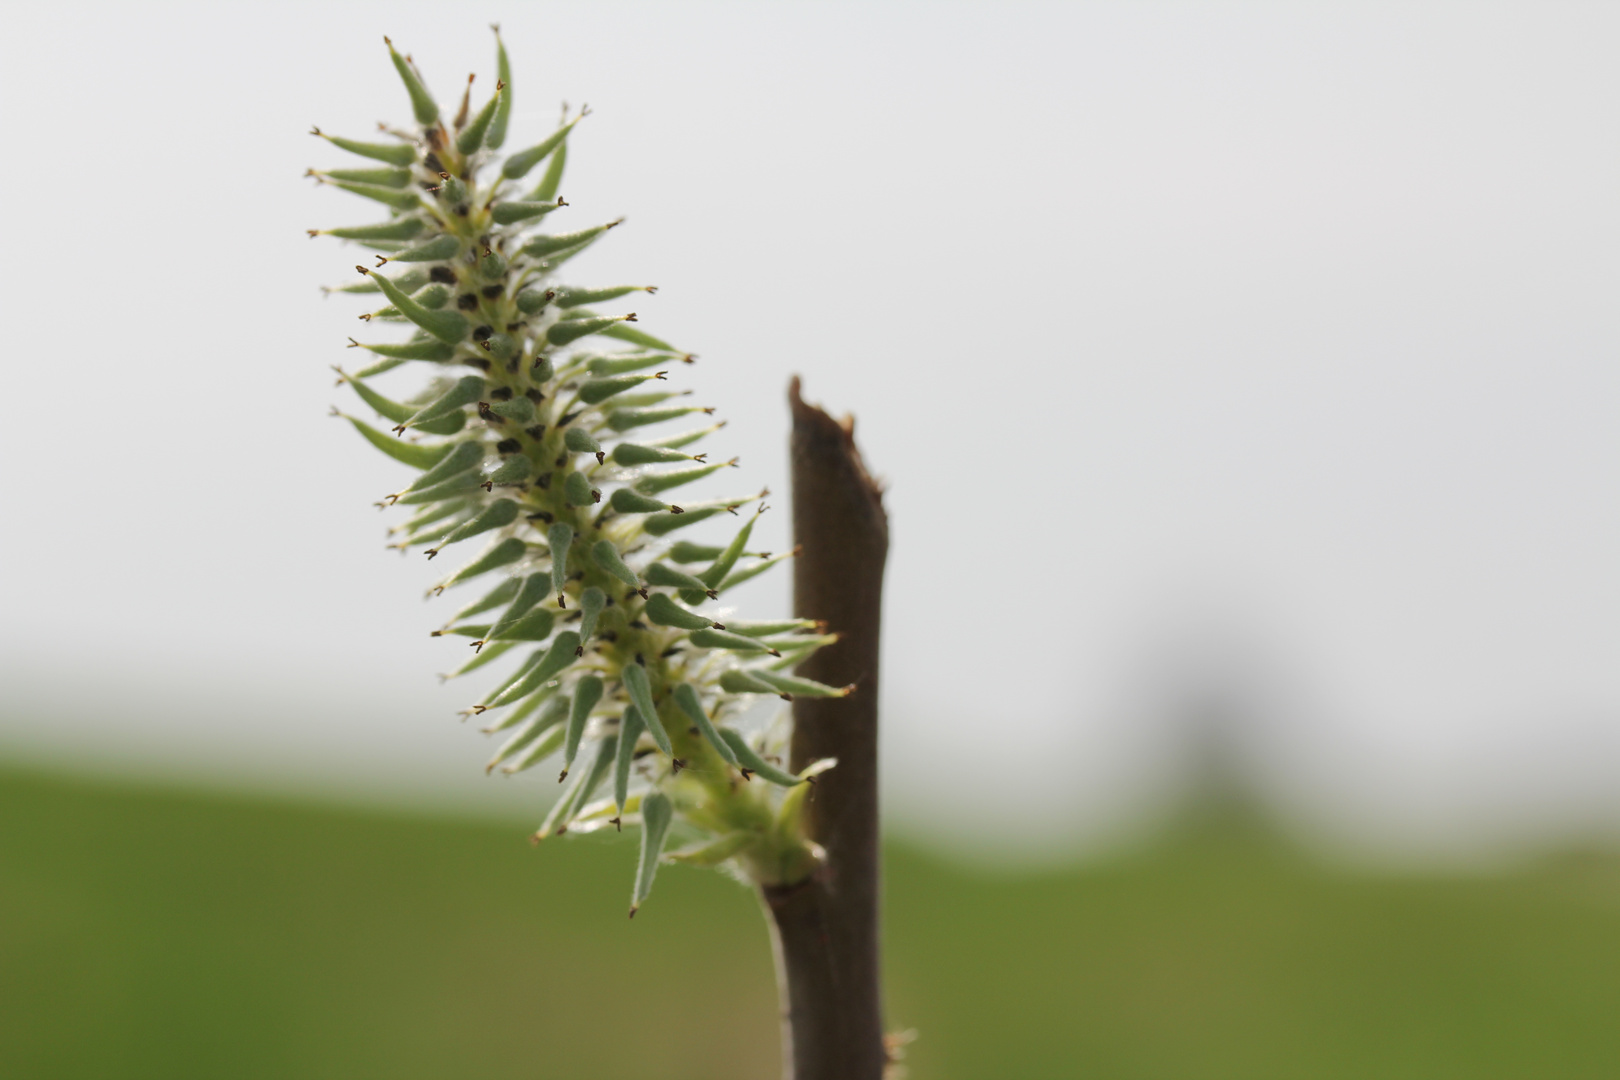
519,438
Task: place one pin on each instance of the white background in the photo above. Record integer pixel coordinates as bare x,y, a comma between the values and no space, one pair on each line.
1244,376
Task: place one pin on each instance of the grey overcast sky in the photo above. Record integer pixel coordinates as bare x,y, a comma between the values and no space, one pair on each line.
1244,369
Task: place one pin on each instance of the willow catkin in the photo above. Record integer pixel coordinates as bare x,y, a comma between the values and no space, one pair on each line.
537,430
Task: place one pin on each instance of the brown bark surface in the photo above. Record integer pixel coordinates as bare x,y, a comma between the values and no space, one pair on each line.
827,927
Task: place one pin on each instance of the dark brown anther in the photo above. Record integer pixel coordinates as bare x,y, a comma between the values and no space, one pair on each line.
596,497
579,650
489,416
562,459
541,515
676,765
562,601
514,327
666,654
535,431
609,636
642,592
365,318
492,292
620,828
564,421
544,482
501,393
443,275
381,259
433,163
675,509
488,485
601,456
466,301
477,362
485,345
534,395
482,333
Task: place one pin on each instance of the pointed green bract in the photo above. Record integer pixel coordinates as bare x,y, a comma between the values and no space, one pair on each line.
541,246
516,469
546,189
640,691
531,592
450,327
666,612
438,249
591,603
458,458
711,638
393,153
662,574
749,760
666,481
568,297
500,594
656,814
579,491
767,629
631,726
400,229
738,681
556,658
422,103
638,337
393,178
683,551
788,684
626,501
632,454
596,391
509,213
518,165
737,577
473,135
503,109
559,537
497,515
463,392
412,454
586,695
606,556
628,419
501,553
692,706
406,199
684,438
543,748
581,442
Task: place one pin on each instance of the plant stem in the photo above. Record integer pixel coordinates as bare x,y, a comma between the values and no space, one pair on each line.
826,926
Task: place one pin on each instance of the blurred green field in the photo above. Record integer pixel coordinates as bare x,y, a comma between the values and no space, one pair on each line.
153,933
